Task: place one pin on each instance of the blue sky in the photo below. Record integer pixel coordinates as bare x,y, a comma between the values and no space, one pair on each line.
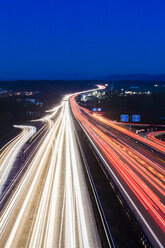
81,39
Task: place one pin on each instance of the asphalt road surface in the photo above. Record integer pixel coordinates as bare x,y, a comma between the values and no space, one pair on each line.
50,204
136,165
50,207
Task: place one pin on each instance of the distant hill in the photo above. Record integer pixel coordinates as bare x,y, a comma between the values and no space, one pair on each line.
46,86
139,77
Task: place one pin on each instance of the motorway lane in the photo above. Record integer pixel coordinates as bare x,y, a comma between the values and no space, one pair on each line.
153,145
138,147
11,152
158,147
50,206
153,136
26,154
140,178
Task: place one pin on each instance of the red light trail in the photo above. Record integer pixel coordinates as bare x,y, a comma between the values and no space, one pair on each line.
152,136
144,177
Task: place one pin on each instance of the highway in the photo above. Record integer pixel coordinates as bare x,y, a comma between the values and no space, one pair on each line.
51,207
136,170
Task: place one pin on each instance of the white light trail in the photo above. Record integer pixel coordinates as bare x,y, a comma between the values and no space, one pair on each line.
63,216
11,152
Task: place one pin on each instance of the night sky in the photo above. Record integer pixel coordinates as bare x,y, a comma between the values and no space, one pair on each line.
72,39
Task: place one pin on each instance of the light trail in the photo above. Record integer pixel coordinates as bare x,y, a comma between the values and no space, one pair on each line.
50,206
10,153
157,146
150,143
144,178
152,136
